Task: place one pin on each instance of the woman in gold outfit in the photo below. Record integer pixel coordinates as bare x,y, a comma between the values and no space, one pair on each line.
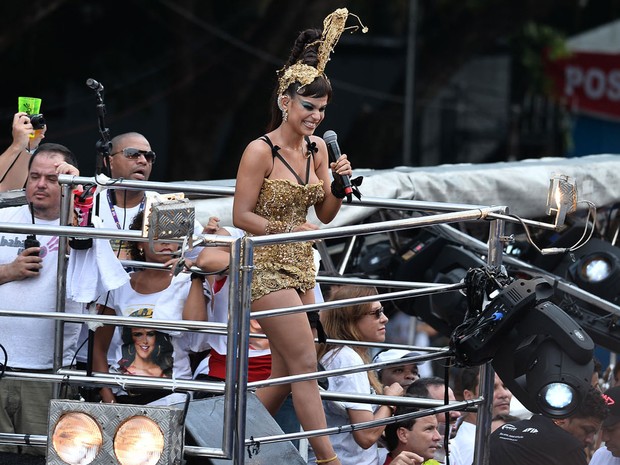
281,175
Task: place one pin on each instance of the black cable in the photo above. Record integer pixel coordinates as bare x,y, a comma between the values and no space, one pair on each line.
6,361
446,400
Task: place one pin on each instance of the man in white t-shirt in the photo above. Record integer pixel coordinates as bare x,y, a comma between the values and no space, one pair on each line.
462,451
28,278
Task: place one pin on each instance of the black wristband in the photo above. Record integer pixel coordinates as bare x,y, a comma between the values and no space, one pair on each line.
338,190
199,276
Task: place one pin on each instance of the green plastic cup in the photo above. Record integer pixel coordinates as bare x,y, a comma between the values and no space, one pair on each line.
30,105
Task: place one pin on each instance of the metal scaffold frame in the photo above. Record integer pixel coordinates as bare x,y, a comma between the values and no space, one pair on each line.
237,330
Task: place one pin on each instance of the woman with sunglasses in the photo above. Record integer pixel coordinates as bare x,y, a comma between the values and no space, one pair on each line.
136,350
357,322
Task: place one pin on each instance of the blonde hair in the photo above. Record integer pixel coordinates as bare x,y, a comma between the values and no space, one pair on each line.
341,323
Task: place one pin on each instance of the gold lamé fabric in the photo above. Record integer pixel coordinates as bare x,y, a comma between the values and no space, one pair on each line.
284,266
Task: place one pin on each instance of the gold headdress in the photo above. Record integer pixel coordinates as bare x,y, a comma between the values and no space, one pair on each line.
333,27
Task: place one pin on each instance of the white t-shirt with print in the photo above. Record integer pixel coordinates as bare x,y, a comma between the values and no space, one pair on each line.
172,351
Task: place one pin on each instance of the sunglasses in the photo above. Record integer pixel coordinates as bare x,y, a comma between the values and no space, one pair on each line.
377,313
133,154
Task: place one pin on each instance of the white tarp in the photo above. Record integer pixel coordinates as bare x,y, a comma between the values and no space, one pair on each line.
522,186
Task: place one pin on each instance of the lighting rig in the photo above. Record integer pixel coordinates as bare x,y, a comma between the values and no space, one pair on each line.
539,352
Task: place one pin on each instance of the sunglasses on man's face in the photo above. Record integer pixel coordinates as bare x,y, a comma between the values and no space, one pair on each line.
133,154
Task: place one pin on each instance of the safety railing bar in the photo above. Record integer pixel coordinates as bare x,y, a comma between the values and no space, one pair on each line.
136,264
179,325
371,345
198,451
348,370
79,377
394,400
209,240
439,206
416,205
329,305
372,228
39,440
384,345
460,405
15,439
192,326
381,283
72,231
129,184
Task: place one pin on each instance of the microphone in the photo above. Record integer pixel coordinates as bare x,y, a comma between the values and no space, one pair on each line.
94,85
333,150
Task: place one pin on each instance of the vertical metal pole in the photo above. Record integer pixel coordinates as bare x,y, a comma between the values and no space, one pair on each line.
247,259
487,374
61,281
409,110
232,375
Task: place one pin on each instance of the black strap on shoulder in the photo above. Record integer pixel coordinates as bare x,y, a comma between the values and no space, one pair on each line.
274,148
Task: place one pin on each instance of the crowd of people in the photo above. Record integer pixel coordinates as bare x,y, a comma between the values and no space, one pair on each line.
282,174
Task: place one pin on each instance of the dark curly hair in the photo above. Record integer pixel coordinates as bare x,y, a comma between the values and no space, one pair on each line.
592,406
305,49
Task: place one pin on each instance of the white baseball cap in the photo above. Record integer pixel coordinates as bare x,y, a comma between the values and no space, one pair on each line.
395,354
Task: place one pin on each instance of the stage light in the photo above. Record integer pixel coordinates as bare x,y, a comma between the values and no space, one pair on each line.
543,357
546,361
598,273
77,438
84,433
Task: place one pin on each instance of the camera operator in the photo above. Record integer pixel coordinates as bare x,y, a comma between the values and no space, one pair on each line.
14,160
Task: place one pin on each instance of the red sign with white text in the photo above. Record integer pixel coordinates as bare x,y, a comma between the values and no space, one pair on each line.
588,83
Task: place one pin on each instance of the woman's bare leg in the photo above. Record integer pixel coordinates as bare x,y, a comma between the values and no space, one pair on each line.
293,353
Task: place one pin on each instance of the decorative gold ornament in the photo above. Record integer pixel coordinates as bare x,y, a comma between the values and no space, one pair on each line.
333,27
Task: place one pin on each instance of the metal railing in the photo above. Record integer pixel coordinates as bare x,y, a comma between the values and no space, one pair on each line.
237,330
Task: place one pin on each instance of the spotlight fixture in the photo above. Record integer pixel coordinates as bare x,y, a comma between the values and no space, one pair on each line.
546,361
83,433
561,198
538,351
598,272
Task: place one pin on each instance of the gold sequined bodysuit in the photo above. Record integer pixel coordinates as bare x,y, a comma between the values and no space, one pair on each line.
284,266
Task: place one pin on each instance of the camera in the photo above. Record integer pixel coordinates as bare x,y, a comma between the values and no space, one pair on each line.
37,121
31,241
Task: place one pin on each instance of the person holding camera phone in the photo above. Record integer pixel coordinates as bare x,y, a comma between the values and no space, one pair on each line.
14,161
28,278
